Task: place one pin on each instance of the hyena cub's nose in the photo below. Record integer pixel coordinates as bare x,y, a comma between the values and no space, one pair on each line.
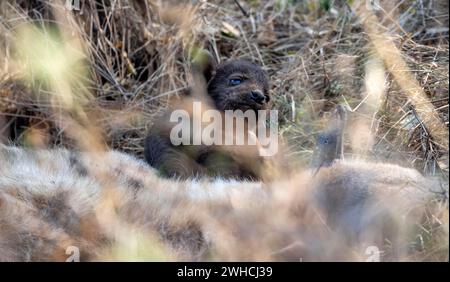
257,96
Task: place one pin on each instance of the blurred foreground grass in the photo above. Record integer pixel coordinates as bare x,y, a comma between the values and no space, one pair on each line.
95,77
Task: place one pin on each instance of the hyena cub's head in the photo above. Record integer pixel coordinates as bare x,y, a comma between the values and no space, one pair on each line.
239,85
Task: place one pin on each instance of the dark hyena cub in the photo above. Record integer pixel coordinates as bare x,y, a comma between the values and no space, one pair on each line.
233,85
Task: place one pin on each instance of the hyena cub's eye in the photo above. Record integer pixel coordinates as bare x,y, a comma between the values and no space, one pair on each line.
234,81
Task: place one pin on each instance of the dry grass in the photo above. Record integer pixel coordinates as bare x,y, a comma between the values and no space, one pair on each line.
95,78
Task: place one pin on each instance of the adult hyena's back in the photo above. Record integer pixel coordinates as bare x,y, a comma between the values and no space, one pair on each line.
52,200
46,201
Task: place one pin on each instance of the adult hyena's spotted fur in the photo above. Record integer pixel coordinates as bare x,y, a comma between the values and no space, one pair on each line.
53,199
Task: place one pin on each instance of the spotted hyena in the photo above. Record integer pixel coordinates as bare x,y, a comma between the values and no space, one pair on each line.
52,201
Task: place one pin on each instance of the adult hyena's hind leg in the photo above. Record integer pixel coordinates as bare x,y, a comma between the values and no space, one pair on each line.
329,145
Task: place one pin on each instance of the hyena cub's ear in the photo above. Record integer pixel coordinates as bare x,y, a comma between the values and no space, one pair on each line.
329,145
203,63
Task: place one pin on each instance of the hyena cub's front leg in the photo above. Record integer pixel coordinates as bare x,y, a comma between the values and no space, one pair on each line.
171,162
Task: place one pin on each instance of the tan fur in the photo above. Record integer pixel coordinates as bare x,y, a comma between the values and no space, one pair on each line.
99,202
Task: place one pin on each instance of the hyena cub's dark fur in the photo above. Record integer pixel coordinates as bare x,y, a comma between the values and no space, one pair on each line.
233,85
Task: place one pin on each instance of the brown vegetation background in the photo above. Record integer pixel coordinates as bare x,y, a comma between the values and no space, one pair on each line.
122,61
